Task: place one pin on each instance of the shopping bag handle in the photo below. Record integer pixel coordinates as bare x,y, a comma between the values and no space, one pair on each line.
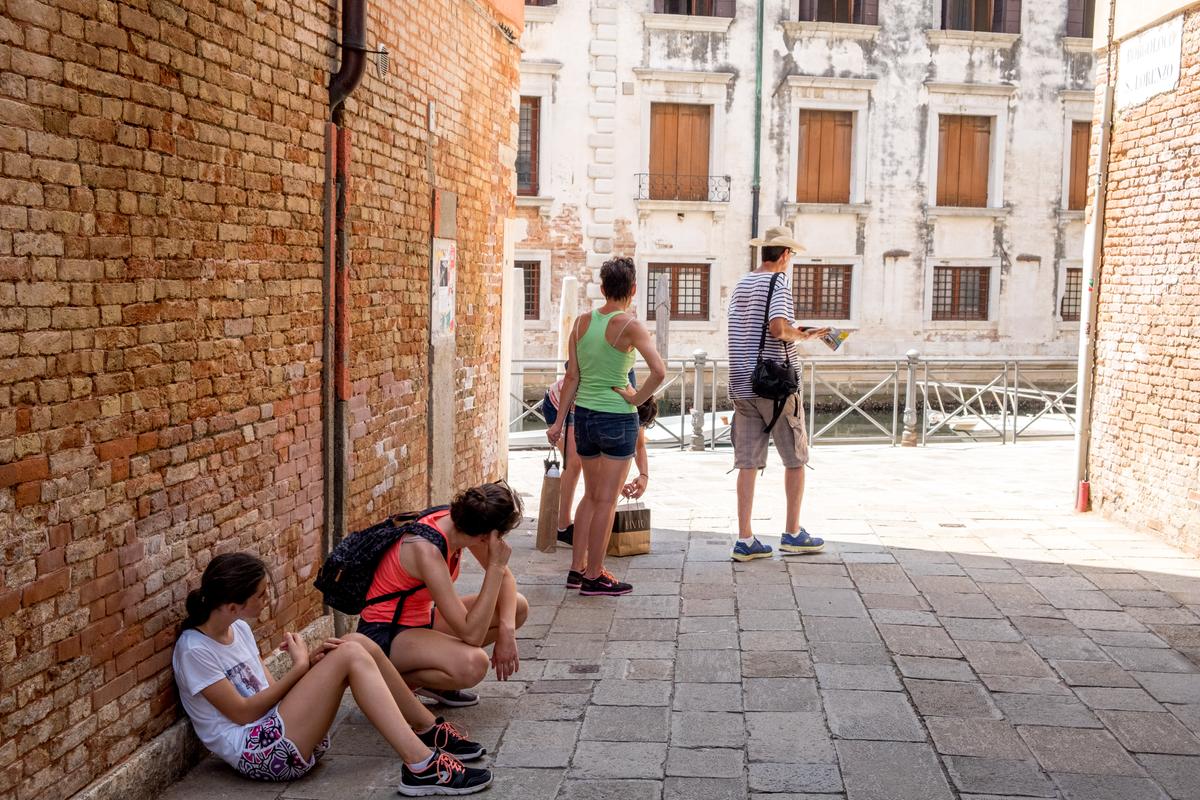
551,458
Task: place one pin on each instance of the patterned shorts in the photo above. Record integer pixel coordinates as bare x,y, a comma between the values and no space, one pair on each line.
270,756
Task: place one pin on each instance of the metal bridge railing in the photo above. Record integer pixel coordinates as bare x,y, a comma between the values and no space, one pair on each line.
904,400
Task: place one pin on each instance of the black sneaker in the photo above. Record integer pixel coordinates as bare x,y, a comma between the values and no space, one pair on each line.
454,698
444,775
449,739
567,534
574,579
604,586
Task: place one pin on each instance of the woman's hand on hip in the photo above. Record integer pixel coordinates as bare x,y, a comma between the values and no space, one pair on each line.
626,392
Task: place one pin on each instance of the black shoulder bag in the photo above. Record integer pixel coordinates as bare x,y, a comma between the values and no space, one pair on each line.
773,380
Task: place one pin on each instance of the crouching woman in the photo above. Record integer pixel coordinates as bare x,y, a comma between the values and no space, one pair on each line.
435,637
275,730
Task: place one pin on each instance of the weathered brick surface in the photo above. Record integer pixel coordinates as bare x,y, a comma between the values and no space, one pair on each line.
161,173
562,236
1145,446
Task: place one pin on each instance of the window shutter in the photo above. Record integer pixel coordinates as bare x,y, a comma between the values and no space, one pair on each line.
867,12
725,8
977,146
808,10
839,172
1081,140
1074,17
1010,16
947,179
660,6
824,150
692,163
664,132
679,145
964,155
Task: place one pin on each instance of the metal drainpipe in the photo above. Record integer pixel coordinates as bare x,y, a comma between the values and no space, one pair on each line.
1093,255
755,186
335,345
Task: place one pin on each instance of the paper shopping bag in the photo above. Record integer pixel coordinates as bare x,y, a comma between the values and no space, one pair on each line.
630,531
548,510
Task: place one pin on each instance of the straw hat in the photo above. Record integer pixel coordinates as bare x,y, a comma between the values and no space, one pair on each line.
778,237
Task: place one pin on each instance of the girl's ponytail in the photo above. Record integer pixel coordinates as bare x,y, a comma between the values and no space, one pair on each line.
197,610
228,578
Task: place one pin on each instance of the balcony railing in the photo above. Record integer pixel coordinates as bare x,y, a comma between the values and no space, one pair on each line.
698,188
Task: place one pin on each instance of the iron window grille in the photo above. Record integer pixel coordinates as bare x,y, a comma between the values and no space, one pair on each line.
1072,299
960,293
533,288
822,291
689,290
528,145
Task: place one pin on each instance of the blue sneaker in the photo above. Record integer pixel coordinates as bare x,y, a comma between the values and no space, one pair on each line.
750,549
800,543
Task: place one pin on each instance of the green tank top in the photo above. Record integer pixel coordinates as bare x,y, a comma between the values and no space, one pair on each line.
601,367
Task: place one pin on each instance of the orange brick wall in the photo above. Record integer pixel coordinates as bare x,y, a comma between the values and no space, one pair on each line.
1145,445
562,236
161,173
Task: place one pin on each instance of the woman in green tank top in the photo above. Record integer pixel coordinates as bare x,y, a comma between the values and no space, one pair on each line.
606,420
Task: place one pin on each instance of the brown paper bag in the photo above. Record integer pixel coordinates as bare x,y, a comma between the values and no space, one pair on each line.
547,526
630,531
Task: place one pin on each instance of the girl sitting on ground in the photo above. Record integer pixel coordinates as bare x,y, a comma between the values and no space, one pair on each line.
435,638
275,730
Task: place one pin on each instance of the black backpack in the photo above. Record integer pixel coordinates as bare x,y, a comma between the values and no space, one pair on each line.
345,577
773,380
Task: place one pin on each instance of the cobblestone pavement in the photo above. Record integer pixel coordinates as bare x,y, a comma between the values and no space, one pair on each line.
964,635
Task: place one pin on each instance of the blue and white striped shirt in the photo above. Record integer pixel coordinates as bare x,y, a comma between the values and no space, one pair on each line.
745,326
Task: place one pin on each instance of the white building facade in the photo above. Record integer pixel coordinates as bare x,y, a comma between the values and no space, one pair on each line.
930,154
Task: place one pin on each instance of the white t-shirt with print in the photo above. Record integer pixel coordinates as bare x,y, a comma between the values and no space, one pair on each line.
199,662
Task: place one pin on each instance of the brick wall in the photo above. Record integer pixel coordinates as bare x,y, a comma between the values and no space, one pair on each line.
1145,446
561,236
161,173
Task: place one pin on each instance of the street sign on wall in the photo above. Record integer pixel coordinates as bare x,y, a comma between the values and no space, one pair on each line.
1148,64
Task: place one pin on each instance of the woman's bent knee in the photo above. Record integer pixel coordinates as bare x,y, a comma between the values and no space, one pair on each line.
363,641
352,650
474,667
522,609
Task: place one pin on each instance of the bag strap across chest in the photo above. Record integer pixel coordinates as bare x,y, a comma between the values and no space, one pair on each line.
428,533
762,339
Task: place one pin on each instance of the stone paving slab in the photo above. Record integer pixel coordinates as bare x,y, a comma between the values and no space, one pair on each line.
964,636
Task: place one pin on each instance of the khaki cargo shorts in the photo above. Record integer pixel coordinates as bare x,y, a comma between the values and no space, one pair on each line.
750,442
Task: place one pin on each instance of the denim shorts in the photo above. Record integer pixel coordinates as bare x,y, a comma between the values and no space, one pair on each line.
550,412
383,633
604,433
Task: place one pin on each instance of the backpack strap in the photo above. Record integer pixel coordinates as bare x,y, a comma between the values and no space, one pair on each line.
429,534
779,406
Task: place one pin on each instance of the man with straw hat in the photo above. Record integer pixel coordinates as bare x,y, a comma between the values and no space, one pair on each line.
763,299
